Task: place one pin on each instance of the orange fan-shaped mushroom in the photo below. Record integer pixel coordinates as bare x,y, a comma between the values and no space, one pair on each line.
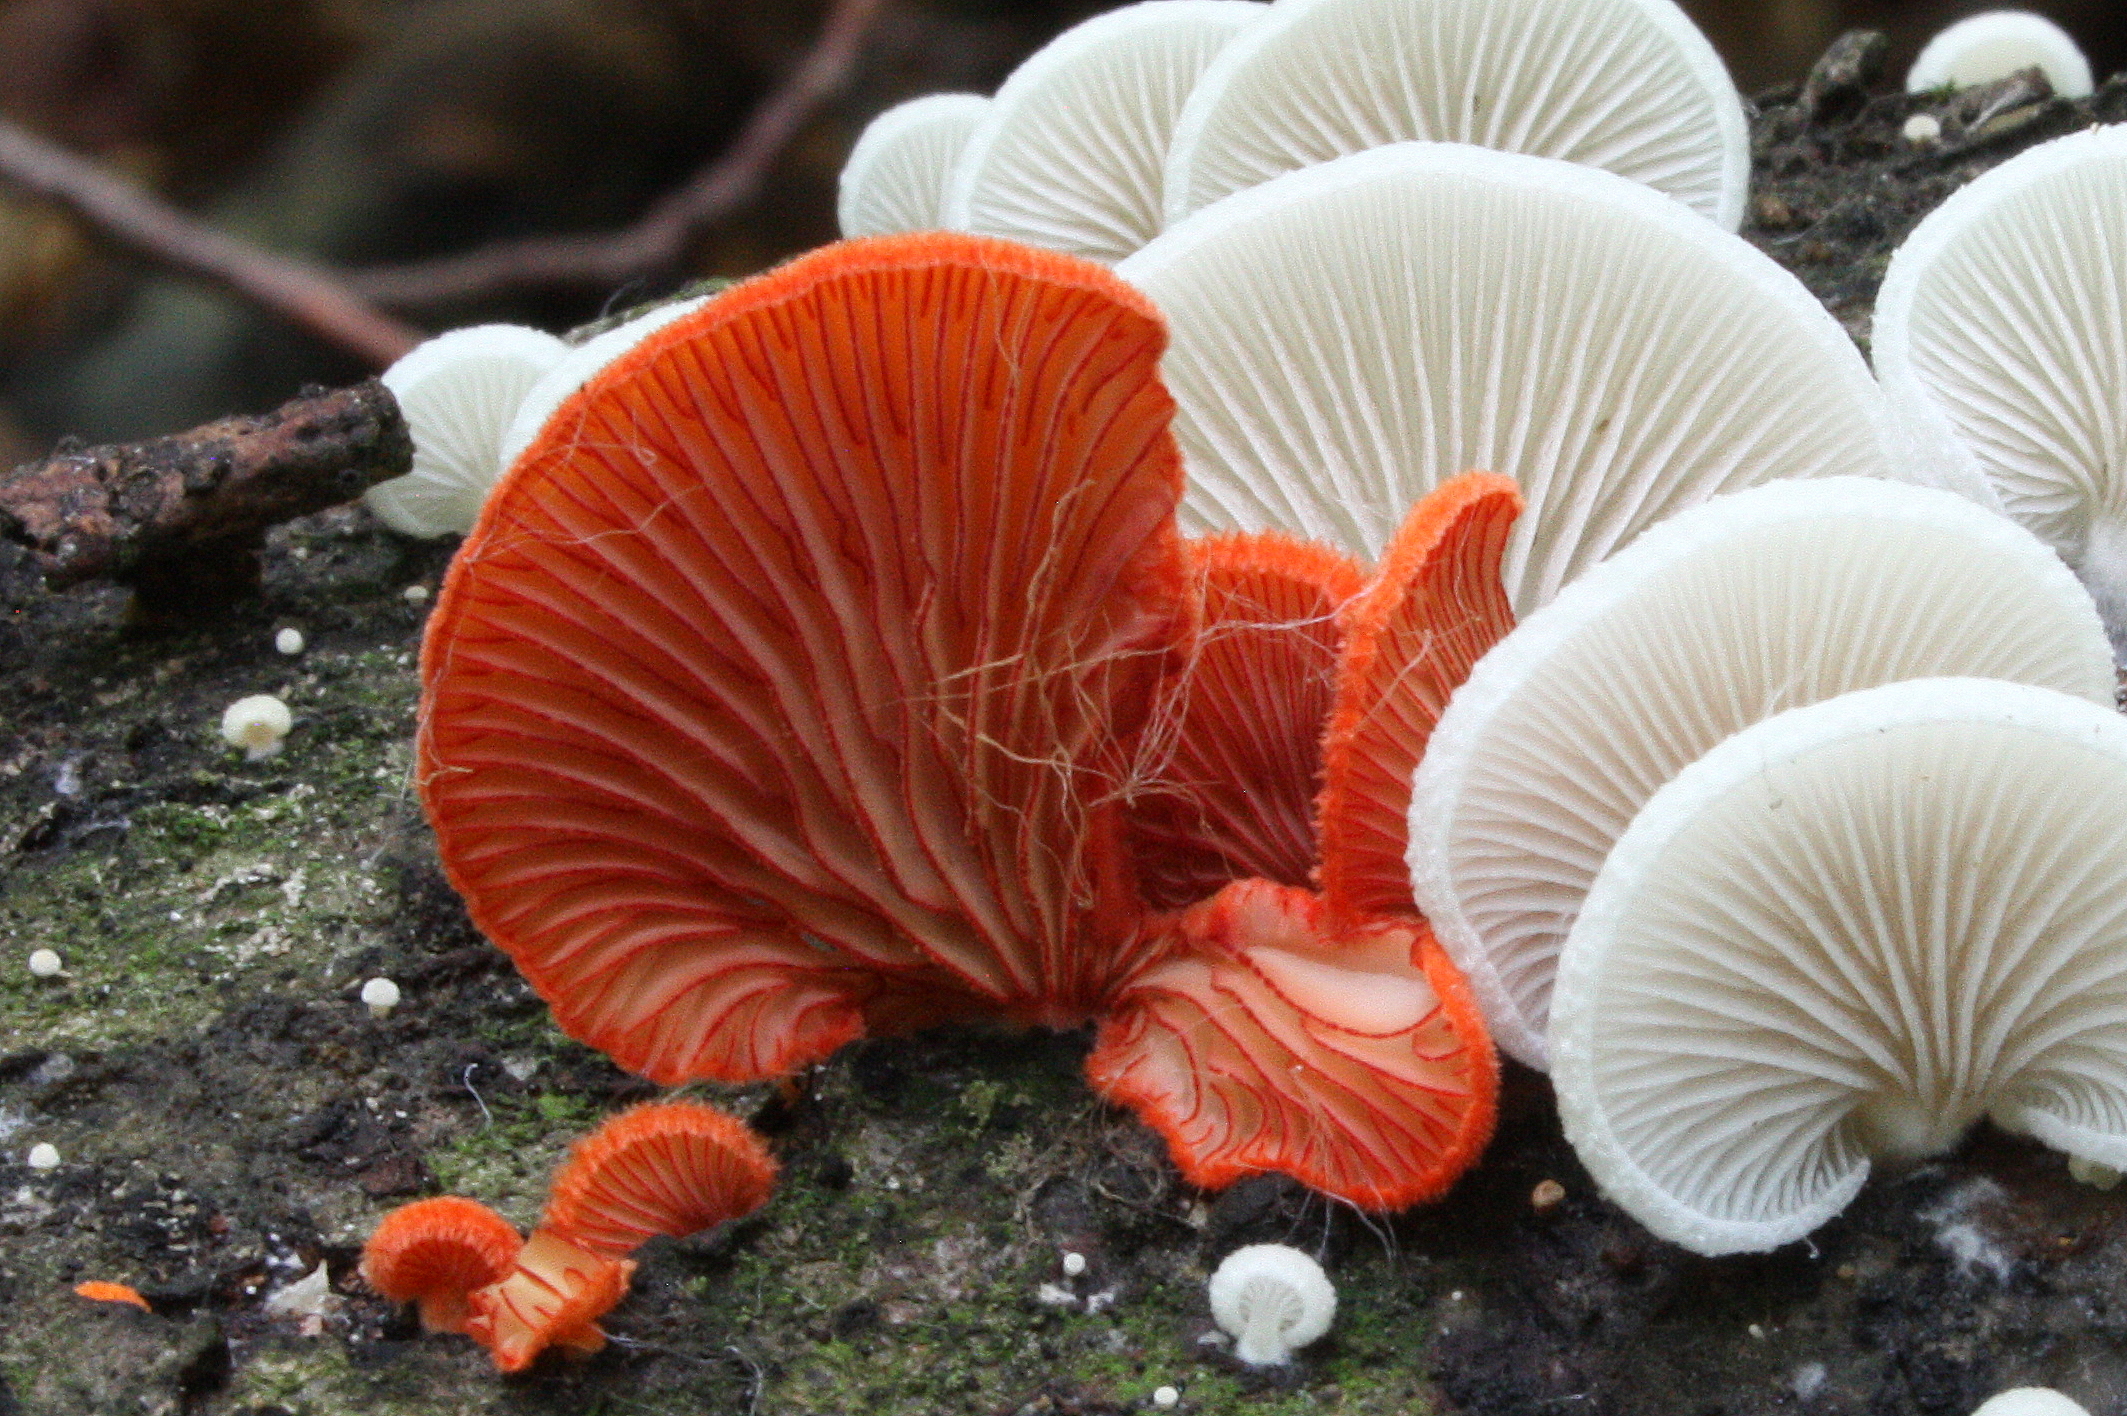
1435,606
435,1252
552,1297
1241,727
789,678
662,1168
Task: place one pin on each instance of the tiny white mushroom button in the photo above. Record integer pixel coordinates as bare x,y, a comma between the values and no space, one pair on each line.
256,724
45,963
289,641
380,996
1273,1300
1166,1398
1074,1264
1922,128
44,1156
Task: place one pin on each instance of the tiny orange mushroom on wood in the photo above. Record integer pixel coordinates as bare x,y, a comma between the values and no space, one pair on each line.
793,683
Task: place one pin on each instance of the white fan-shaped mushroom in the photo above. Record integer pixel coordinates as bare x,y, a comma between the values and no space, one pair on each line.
1629,85
1348,336
1723,615
1072,152
578,367
1982,48
1852,931
458,393
2001,336
896,174
1272,1299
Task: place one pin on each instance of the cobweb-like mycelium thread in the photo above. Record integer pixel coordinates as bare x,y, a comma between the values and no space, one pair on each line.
794,686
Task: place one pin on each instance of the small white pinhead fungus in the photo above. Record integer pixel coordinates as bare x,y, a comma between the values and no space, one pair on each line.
458,393
380,996
1848,933
1748,604
2000,341
257,724
289,641
1628,85
895,177
45,963
43,1156
1982,48
1070,155
1272,1300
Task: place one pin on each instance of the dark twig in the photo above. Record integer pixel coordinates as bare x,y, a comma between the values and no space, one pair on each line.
300,293
182,519
658,242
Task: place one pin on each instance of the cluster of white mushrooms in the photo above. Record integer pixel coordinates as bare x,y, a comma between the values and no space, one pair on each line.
1784,829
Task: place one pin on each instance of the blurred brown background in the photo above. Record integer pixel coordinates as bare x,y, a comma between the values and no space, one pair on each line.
364,131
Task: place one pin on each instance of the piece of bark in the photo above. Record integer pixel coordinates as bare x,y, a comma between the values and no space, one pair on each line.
182,519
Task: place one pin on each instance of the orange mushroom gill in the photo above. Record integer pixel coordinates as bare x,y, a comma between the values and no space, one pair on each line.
1241,724
552,1296
435,1252
661,1168
791,686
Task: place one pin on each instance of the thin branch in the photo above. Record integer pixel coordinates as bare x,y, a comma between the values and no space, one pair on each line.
658,242
298,292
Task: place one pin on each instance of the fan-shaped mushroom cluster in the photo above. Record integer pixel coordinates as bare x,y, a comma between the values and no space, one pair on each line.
673,1168
1138,117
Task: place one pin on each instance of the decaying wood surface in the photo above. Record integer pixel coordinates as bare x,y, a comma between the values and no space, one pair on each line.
181,519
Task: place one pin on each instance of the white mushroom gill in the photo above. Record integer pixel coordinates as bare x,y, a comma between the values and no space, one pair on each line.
1071,152
1272,1300
1348,336
257,724
1851,931
458,393
1725,614
2001,339
1627,85
1982,48
895,177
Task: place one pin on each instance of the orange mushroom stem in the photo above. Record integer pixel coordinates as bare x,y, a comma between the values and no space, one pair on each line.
436,1252
552,1296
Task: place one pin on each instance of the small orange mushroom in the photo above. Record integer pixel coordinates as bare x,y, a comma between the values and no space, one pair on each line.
663,1168
552,1296
435,1252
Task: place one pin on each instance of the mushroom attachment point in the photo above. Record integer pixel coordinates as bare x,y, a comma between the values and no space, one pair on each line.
1851,931
1272,1300
435,1253
1982,48
670,1168
257,725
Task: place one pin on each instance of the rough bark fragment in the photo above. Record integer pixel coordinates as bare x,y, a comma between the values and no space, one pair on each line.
182,519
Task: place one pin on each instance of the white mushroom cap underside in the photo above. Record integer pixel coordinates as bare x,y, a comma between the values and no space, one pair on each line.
458,392
1347,337
2030,1401
2002,322
1628,85
578,367
1273,1299
1852,929
1071,154
1725,614
896,174
1983,48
